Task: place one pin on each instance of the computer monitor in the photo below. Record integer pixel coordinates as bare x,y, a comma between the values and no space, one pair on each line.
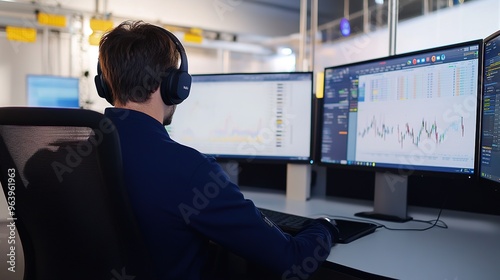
408,114
52,91
248,117
489,162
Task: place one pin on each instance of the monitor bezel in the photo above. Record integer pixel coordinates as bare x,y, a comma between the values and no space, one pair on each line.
408,171
59,77
269,159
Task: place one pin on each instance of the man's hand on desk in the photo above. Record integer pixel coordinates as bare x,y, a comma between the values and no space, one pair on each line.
332,226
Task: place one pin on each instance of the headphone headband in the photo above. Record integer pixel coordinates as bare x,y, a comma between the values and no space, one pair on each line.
180,48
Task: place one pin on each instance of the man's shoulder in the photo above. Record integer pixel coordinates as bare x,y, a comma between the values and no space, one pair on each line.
194,153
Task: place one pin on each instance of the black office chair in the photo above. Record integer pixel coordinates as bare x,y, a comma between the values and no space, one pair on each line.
61,171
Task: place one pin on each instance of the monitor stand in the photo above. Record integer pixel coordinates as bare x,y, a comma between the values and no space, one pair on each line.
298,181
298,178
390,200
232,169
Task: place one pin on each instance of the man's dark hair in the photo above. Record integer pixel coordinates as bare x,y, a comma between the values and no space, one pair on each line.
134,57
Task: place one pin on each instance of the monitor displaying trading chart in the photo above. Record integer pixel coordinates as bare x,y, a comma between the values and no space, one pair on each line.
242,116
403,115
416,111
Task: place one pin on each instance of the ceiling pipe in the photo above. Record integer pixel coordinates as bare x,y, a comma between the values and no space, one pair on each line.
393,23
301,61
314,30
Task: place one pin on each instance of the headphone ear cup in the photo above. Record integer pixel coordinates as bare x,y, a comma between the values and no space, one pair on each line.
175,87
99,87
102,87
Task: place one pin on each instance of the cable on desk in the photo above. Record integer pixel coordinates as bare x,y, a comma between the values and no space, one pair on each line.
433,223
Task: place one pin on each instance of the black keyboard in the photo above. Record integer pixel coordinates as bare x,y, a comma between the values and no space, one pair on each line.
292,224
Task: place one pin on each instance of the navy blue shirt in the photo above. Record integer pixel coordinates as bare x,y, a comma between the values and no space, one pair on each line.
183,200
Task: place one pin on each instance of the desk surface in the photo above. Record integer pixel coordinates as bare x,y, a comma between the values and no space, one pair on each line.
468,249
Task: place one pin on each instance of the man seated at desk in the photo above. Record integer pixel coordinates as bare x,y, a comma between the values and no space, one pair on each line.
183,199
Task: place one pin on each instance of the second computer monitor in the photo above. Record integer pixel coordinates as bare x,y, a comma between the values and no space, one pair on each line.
52,91
489,164
248,116
414,113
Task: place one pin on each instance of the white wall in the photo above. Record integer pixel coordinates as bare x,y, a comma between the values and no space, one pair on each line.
49,55
470,21
15,58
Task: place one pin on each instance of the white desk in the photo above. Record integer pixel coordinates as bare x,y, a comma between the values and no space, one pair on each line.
468,249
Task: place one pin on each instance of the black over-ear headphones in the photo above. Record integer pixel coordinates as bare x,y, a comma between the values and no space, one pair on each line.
174,87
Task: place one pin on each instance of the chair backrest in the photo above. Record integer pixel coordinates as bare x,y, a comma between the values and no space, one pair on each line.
61,172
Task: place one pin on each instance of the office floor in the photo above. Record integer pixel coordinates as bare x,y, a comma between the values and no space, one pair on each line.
5,254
